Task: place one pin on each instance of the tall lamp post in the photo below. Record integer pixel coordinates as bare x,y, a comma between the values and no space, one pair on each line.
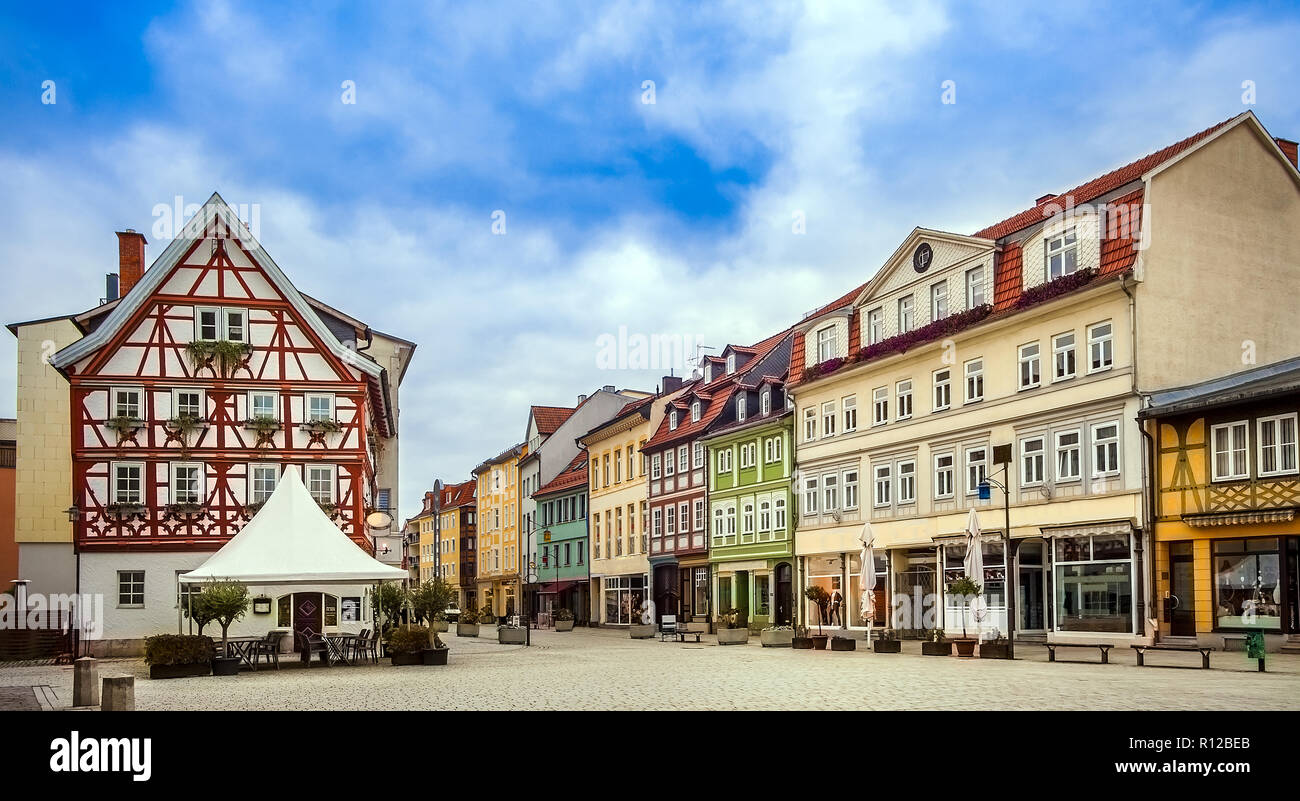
1008,549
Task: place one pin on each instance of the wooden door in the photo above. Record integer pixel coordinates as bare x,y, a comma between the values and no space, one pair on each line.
308,617
784,595
1182,609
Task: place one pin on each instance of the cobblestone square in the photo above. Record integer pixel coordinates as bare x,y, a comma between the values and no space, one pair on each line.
602,669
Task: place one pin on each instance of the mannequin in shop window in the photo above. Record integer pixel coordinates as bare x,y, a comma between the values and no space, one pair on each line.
837,605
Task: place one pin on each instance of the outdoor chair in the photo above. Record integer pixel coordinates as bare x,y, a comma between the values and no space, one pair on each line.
269,645
366,646
315,644
667,627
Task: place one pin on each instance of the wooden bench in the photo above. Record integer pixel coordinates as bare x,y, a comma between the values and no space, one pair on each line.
1204,651
1104,647
682,634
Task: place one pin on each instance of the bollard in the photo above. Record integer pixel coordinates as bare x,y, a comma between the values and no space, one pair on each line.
85,682
119,694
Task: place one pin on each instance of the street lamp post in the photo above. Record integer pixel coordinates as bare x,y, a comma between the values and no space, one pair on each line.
1008,551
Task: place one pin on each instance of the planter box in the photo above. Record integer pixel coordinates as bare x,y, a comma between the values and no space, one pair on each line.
887,646
508,636
965,647
179,671
819,641
400,660
777,638
435,656
642,631
843,644
802,643
733,636
439,626
466,629
225,666
940,648
994,650
564,625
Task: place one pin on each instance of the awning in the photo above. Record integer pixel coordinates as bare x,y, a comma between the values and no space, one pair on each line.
1113,527
556,587
1240,518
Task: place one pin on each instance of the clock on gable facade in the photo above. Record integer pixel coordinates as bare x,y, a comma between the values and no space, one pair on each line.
921,257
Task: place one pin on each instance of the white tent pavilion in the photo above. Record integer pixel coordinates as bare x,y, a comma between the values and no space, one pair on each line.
291,541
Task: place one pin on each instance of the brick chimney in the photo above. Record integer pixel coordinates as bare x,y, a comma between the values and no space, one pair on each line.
1044,199
130,259
672,383
1289,149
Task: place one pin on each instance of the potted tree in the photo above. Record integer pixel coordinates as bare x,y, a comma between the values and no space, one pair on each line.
733,627
226,602
429,602
467,623
175,656
967,588
486,617
563,620
389,599
935,645
437,651
641,628
887,642
777,637
819,596
405,644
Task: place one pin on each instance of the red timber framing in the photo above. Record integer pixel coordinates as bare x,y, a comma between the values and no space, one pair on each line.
147,357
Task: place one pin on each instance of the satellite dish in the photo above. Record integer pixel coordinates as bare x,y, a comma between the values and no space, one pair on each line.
379,520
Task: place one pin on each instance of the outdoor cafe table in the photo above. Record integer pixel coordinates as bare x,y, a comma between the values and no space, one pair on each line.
242,647
337,643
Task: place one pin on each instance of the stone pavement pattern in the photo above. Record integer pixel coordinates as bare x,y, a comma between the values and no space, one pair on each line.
604,669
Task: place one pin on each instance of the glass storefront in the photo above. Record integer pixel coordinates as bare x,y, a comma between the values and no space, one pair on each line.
623,594
826,572
1094,583
992,612
1247,584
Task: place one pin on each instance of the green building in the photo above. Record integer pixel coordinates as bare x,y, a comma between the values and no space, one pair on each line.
751,506
561,559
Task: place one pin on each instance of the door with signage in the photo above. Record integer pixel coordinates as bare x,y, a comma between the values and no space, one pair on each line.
308,618
1182,609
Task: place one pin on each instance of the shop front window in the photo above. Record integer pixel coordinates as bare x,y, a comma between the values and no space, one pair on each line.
1094,583
826,573
1247,584
623,595
762,590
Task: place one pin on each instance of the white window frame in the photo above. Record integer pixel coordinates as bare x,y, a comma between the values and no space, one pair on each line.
849,408
113,408
779,514
1061,245
1101,345
906,314
972,486
1033,462
741,407
1279,447
879,406
903,399
1062,352
828,419
699,514
938,301
906,481
811,487
882,483
275,403
217,317
1058,449
672,420
683,518
250,488
826,346
1236,475
309,416
731,363
695,411
973,385
683,459
975,295
332,470
203,404
115,491
1111,442
172,492
940,471
142,594
1033,361
670,463
809,423
946,385
697,455
765,402
655,466
875,325
226,314
850,483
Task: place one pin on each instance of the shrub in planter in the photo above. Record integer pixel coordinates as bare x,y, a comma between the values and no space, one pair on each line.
226,602
486,617
641,628
801,641
777,637
511,635
436,653
995,649
406,644
563,620
936,645
887,643
173,656
844,644
733,627
467,624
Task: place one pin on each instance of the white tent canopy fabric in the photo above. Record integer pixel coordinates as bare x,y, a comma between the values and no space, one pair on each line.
291,541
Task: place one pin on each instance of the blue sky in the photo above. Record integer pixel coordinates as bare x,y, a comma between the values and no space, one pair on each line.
672,217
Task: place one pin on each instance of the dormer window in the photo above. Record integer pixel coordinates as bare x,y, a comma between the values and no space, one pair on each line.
825,344
1062,254
672,420
906,314
731,364
765,402
740,407
708,372
695,412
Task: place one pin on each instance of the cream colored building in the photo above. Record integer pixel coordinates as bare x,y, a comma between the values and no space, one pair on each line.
1036,341
617,509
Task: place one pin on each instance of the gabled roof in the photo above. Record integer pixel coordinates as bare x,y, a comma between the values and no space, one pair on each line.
457,495
513,452
574,475
549,418
213,211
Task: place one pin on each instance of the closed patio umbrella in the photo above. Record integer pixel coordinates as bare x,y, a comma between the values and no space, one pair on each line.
974,565
867,563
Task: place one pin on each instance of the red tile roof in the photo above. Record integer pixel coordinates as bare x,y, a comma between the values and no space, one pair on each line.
574,475
1007,277
1090,191
456,495
550,418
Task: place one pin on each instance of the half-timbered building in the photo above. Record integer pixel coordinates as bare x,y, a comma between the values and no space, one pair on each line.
192,394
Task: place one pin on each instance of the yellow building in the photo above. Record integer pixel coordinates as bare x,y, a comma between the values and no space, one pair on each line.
1227,483
498,554
617,508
